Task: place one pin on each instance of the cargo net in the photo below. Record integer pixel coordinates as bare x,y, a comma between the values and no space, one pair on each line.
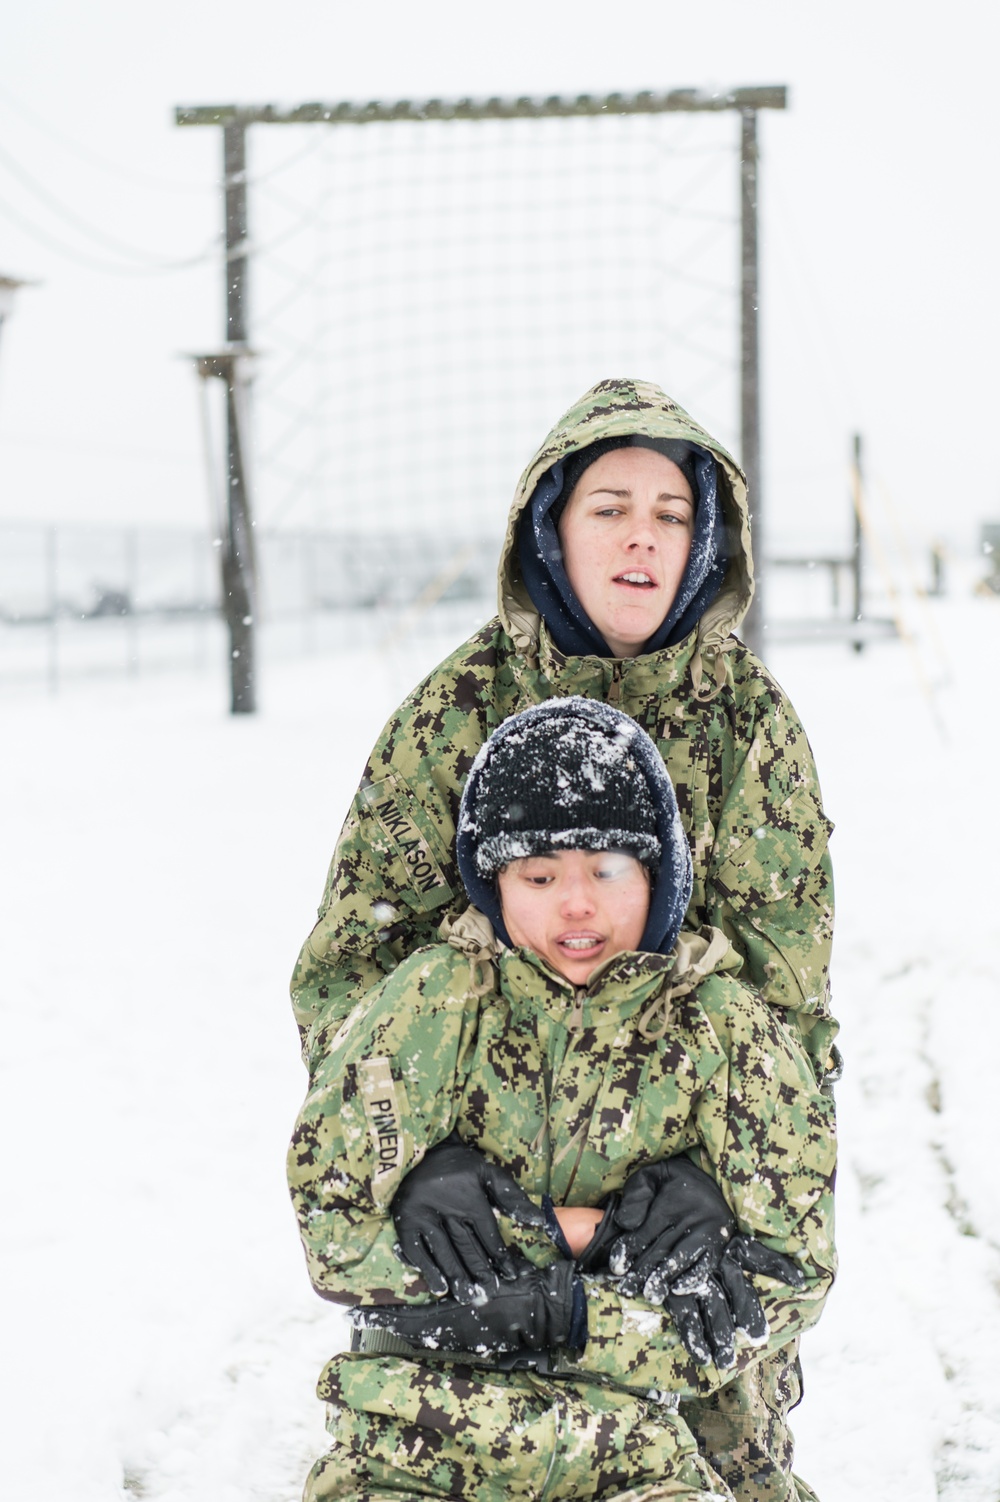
428,297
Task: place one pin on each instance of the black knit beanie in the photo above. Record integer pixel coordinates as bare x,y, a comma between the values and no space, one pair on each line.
573,774
556,781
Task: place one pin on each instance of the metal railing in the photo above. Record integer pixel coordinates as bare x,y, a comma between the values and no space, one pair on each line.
80,601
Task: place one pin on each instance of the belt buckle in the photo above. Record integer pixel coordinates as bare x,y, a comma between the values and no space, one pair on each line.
526,1361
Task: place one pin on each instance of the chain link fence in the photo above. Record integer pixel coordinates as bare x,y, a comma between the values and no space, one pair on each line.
80,601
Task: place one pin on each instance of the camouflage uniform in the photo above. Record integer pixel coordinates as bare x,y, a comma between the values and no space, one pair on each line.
736,753
746,786
571,1090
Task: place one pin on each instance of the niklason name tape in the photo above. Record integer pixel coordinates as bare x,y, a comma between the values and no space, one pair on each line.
393,807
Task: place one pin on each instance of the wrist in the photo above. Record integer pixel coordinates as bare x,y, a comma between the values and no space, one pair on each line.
593,1257
578,1223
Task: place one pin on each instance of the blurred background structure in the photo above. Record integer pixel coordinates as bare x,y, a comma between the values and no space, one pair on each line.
426,287
383,257
437,277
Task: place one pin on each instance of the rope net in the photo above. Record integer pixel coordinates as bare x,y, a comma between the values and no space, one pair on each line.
428,297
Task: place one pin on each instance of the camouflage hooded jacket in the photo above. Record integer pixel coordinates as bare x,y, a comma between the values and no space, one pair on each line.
571,1090
737,755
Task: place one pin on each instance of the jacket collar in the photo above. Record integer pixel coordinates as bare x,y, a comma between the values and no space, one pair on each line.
623,986
624,681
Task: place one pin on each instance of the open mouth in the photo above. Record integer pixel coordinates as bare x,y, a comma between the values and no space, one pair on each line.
636,579
582,944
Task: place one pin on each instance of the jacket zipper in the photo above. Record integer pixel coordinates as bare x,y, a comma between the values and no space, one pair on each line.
575,1025
615,686
576,1016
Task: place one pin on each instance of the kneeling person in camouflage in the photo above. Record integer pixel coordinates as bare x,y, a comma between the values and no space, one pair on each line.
569,1167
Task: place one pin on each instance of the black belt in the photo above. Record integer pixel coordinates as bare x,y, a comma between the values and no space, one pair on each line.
371,1341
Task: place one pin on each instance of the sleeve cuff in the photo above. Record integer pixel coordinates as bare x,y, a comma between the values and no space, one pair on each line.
553,1229
578,1325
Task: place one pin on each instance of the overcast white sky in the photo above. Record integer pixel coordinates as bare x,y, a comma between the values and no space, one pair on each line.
879,215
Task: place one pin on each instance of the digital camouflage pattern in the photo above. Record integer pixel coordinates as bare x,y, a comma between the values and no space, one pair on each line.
742,1430
405,1430
736,753
571,1090
748,796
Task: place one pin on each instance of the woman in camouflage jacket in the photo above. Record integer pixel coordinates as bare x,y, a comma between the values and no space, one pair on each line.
735,750
570,1088
744,774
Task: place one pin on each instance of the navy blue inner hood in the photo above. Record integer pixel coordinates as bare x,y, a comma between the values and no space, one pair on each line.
544,573
671,882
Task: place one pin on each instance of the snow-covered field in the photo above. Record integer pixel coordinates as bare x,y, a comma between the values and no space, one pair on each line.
161,865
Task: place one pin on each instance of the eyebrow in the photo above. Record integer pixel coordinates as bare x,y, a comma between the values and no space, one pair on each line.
623,495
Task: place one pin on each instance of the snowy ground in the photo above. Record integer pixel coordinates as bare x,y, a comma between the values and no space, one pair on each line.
162,862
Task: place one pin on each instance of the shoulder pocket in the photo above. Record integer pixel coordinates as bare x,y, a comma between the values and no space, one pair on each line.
400,830
773,859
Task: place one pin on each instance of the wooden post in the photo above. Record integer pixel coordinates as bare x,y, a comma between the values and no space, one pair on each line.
237,553
8,287
238,568
753,626
132,596
857,558
52,589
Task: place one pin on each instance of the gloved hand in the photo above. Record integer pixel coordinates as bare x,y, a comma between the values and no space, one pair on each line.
681,1248
704,1322
708,1316
675,1220
443,1214
532,1312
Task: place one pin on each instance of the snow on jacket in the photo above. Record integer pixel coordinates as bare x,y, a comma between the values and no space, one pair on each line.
737,755
571,1089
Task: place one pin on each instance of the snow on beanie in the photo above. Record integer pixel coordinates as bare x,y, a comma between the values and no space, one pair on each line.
541,559
556,781
574,774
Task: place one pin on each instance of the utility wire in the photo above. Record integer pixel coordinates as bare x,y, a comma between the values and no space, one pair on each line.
69,253
143,179
115,169
90,263
84,446
310,149
98,236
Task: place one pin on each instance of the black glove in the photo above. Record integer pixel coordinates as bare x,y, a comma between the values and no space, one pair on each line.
704,1322
443,1214
708,1316
681,1248
675,1220
533,1312
707,1319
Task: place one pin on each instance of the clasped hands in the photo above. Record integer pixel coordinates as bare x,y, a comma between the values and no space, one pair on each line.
668,1236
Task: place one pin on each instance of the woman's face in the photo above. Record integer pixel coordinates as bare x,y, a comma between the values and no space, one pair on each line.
575,908
626,535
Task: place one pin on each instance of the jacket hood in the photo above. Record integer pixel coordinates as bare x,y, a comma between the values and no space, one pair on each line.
617,409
